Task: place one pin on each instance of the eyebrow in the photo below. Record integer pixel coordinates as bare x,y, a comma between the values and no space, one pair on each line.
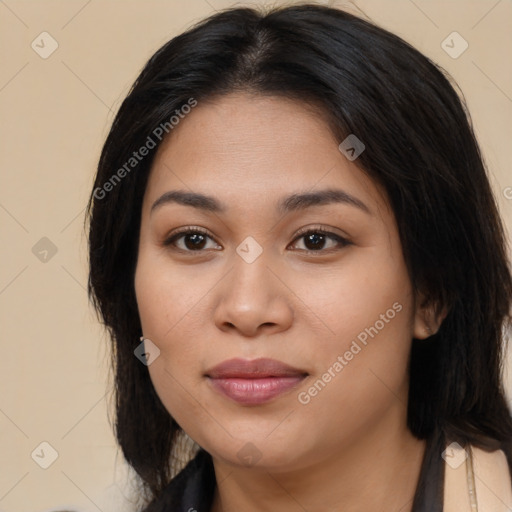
294,202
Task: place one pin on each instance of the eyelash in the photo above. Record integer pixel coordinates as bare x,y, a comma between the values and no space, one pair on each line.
343,242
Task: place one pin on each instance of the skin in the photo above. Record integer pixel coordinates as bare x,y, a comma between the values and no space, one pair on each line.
348,448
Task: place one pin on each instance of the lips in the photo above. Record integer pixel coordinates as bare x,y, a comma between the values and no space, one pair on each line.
254,382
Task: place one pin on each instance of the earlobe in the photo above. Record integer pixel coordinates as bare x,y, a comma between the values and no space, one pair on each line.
427,320
422,330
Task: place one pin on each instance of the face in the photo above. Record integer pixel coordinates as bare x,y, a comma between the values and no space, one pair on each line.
257,270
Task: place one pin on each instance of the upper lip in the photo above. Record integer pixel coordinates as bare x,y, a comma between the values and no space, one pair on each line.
253,369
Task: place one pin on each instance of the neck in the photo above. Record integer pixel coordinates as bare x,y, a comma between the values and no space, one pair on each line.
379,471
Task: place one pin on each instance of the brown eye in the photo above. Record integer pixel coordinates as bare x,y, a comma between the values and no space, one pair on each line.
314,241
191,240
194,241
317,239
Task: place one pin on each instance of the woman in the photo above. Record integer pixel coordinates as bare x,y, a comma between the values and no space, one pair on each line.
295,247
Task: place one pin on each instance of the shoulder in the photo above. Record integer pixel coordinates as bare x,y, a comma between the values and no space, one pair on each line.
477,480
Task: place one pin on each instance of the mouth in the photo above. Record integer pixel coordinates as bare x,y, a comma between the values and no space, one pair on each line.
254,382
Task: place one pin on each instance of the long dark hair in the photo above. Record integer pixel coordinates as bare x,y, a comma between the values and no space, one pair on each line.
420,147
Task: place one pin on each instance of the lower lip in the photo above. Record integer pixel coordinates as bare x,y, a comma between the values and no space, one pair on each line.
254,391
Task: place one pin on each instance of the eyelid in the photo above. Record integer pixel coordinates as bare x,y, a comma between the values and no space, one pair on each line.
319,228
188,229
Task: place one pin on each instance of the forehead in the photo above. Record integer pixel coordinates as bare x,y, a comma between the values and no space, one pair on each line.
244,147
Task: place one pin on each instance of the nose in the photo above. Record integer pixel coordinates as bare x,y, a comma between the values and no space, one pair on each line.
252,300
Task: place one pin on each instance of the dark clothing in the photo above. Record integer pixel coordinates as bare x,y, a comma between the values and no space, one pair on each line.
193,488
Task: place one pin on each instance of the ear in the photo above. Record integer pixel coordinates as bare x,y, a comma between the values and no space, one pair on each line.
427,318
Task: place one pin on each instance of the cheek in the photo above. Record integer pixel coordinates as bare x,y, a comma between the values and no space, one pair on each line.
369,294
168,298
172,314
362,375
367,317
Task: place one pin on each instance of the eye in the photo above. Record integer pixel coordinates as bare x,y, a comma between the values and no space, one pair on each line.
194,239
316,240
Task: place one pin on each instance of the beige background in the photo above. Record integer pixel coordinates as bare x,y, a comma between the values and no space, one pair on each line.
56,113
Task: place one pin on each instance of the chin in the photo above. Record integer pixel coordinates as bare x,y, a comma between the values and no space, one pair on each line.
258,454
